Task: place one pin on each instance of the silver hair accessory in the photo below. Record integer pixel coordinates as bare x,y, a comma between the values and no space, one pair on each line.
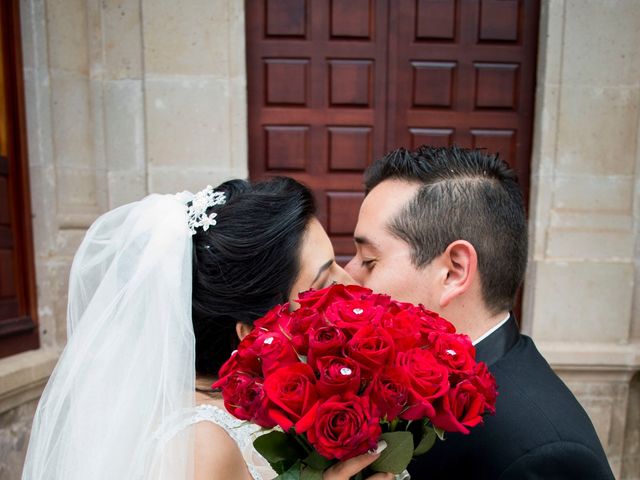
197,211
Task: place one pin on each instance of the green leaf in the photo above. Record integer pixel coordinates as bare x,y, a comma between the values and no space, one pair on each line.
396,457
292,474
277,447
428,440
309,473
317,461
439,432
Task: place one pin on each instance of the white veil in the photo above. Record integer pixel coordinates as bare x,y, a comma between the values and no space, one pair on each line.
129,362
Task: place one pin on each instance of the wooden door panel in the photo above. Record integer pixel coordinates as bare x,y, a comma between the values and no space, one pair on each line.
437,137
349,148
463,72
286,18
286,81
433,84
435,20
334,84
18,330
499,20
317,96
496,85
350,83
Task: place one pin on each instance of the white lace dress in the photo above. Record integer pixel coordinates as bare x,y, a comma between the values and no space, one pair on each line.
242,432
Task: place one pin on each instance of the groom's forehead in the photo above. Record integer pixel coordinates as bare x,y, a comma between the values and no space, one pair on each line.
386,200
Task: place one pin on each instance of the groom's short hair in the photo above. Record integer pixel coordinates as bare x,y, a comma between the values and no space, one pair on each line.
465,195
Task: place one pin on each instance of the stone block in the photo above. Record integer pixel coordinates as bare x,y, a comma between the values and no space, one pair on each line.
582,301
126,186
606,193
187,123
585,243
122,39
544,144
542,193
124,125
42,181
238,134
551,42
172,180
604,396
15,427
597,130
76,188
601,41
68,36
72,120
236,41
186,37
631,454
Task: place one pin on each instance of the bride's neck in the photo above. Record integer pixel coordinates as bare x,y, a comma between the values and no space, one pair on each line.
203,382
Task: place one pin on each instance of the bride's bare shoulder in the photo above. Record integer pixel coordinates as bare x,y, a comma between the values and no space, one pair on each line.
217,456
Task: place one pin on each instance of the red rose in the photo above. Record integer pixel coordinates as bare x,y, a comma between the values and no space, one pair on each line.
244,398
389,392
297,327
273,317
320,299
325,341
462,407
486,384
431,323
337,376
228,367
372,348
292,394
456,352
344,427
404,328
429,380
382,300
274,351
245,359
354,315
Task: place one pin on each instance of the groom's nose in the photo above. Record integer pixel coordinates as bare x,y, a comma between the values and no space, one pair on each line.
344,277
352,270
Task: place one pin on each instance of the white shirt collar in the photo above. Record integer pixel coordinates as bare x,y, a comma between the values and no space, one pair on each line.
492,329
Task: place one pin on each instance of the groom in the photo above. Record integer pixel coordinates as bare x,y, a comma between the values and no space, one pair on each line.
446,227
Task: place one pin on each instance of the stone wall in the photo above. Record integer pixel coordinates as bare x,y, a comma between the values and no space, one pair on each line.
582,300
128,97
14,438
124,98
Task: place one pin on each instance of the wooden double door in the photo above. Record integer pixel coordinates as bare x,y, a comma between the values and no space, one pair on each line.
18,321
335,84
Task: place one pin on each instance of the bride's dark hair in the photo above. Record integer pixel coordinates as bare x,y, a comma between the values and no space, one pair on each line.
247,263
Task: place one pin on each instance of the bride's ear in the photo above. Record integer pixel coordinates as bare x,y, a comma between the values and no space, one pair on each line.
243,329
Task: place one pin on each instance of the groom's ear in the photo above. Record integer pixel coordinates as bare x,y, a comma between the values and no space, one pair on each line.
461,263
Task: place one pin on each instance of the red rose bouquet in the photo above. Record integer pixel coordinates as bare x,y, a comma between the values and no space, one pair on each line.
347,369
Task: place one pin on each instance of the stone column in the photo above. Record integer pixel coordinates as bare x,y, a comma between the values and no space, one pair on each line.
581,299
124,98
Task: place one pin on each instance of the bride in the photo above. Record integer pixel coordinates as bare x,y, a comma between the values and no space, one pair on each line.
159,292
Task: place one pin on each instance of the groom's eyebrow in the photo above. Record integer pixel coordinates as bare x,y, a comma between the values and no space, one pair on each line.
364,241
322,269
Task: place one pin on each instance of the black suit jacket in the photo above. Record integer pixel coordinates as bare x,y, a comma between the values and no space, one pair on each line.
539,431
